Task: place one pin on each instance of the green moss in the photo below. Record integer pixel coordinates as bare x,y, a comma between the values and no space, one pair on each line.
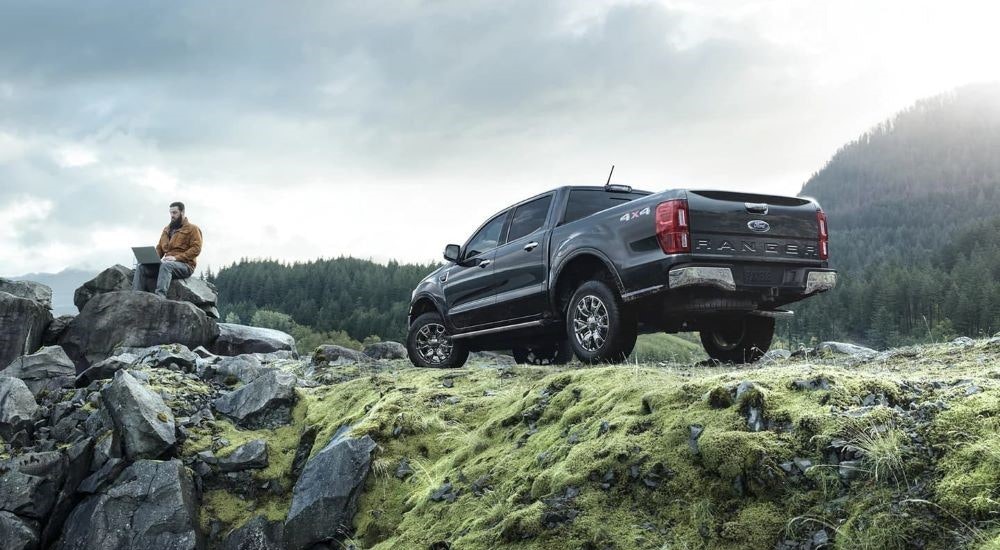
757,525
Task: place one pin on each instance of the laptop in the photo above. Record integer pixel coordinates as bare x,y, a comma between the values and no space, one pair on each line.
146,254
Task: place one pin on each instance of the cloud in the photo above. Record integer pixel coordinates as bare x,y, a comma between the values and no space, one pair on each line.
386,129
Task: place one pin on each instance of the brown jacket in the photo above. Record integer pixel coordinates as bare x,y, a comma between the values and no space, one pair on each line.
185,245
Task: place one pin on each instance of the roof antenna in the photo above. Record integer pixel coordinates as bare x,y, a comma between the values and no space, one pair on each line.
609,176
616,188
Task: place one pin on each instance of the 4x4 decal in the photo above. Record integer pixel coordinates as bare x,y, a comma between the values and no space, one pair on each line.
634,214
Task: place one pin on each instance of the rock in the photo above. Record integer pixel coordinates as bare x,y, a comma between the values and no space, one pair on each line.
173,355
695,433
79,458
265,402
196,291
775,355
18,408
27,495
113,279
492,357
56,329
257,534
325,497
133,319
22,324
240,339
404,470
48,369
103,370
29,290
143,423
17,533
151,505
386,350
332,355
963,342
250,455
228,370
840,348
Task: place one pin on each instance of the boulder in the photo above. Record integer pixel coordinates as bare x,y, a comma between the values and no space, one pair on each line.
18,408
105,369
325,497
133,319
112,279
22,324
386,350
17,533
240,339
48,369
264,403
30,483
143,423
228,370
55,329
333,355
257,534
173,355
152,504
29,290
196,291
250,455
840,348
117,278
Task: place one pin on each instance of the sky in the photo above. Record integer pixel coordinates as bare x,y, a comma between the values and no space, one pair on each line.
304,130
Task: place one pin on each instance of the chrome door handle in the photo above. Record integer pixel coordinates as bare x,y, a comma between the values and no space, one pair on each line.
530,246
485,263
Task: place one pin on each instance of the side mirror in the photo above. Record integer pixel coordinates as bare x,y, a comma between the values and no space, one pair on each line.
451,252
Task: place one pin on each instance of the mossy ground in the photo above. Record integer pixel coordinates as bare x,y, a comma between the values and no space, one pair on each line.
602,457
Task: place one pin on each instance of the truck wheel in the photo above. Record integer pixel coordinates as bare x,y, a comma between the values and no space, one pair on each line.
554,353
429,345
599,328
740,340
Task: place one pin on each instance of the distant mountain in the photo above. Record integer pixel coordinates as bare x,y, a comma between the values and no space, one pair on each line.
63,285
913,206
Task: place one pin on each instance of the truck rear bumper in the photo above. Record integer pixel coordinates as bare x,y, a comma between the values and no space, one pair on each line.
810,280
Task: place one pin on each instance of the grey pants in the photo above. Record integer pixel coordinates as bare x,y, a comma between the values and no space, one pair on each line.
164,273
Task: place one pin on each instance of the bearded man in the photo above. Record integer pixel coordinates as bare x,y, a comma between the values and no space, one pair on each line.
178,249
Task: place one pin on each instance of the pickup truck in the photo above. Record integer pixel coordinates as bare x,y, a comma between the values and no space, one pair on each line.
584,270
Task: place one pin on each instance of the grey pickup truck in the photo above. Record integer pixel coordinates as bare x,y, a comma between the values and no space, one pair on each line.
584,270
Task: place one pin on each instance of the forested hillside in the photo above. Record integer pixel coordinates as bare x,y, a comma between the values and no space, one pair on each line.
914,210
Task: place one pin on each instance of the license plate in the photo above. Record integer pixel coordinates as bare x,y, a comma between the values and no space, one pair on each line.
759,276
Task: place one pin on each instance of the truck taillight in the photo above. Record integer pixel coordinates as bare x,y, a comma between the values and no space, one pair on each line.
672,230
824,236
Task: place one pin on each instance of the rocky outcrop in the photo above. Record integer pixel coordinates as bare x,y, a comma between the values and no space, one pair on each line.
143,423
325,497
240,339
386,350
257,534
18,408
265,402
133,319
48,370
117,278
22,324
29,290
151,505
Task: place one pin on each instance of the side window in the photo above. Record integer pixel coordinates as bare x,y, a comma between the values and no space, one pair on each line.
487,238
584,202
528,218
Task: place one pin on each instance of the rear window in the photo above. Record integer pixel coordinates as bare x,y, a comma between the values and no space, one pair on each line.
584,202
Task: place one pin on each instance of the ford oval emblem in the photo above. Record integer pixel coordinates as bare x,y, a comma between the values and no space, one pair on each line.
759,226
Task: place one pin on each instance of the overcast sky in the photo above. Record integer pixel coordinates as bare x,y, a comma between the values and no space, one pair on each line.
299,130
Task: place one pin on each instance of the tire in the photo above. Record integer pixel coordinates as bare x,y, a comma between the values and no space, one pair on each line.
599,328
555,353
742,340
429,346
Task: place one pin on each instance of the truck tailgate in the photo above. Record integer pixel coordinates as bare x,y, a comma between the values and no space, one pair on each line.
754,227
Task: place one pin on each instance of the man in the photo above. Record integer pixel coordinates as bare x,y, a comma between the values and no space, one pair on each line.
179,246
